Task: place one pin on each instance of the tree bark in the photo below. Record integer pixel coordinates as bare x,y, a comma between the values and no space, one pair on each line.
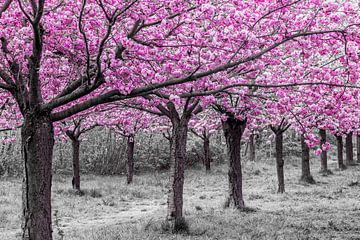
76,164
37,137
252,148
207,159
177,167
349,150
358,148
279,161
305,163
324,168
340,156
233,129
130,159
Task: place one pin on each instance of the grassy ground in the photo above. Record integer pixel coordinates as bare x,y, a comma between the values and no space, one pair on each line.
110,209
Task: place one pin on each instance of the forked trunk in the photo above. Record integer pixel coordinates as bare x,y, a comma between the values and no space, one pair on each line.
279,161
37,137
207,159
233,129
340,156
130,159
177,167
252,148
349,150
305,163
76,164
324,167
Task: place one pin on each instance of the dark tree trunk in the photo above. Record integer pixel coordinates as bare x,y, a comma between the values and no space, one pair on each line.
130,159
177,167
305,163
340,156
37,137
349,150
324,168
279,161
358,148
207,159
233,130
76,164
252,148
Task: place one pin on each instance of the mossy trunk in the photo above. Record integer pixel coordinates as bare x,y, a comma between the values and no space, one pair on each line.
76,164
177,167
349,150
130,159
37,137
305,163
340,155
207,159
323,163
279,161
233,130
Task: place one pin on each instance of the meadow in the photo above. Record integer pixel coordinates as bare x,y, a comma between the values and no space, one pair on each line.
109,209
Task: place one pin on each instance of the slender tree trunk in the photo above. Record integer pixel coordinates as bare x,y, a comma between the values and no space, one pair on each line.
76,164
349,150
305,163
37,148
279,161
130,158
324,168
207,159
358,148
177,167
252,148
233,130
340,147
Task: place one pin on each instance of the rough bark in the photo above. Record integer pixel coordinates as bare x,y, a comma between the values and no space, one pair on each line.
305,163
340,156
177,167
324,168
37,148
207,159
349,161
76,163
358,148
130,159
233,129
252,148
279,161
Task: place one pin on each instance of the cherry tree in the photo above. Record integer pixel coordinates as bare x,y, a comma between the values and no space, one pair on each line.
74,129
203,126
60,58
127,123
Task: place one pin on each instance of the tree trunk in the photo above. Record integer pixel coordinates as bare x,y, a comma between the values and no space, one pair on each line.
233,130
305,163
76,164
324,168
279,161
358,148
177,167
37,137
252,148
207,158
340,147
130,159
349,150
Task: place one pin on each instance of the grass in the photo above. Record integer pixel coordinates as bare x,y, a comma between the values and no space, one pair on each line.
109,209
